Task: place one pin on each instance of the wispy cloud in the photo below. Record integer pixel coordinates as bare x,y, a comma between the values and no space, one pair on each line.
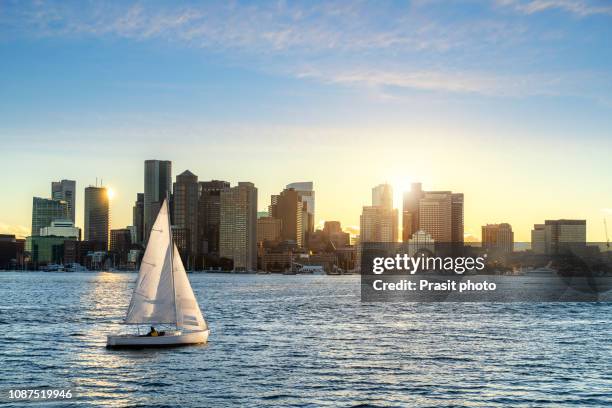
19,231
384,46
581,8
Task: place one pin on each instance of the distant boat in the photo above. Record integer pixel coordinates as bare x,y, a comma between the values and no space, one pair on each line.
75,267
163,297
53,268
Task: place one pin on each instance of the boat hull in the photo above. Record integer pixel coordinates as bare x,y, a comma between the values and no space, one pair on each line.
169,340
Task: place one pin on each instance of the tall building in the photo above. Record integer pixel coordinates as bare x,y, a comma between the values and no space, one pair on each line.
293,213
306,193
138,219
65,190
209,218
157,188
97,215
558,236
238,226
538,239
45,211
382,196
435,215
457,227
438,213
186,195
410,211
378,224
498,237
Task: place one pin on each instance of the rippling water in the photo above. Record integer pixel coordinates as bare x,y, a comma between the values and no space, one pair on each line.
303,340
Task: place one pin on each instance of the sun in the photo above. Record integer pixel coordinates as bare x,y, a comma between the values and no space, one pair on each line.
110,193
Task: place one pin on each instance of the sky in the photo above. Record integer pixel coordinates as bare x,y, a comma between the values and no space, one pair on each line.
508,101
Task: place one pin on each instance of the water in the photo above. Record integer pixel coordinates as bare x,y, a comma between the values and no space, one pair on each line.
303,340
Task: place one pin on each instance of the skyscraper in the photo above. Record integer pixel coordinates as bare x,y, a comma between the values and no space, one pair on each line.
138,219
65,190
186,194
45,211
306,193
157,188
438,213
457,227
378,222
293,213
410,211
238,226
382,196
498,236
209,216
435,215
97,215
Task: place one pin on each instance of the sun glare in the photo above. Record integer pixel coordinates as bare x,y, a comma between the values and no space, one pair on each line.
111,193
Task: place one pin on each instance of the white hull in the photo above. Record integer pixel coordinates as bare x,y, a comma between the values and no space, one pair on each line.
169,340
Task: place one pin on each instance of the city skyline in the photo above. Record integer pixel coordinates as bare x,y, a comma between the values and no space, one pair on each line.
507,102
111,193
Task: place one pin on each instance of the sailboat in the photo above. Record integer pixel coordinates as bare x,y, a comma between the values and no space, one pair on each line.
163,296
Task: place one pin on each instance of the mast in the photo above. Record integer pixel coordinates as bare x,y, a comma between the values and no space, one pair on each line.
172,265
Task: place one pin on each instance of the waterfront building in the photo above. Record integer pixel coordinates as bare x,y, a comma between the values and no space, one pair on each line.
45,211
209,217
421,242
61,228
186,196
97,215
65,190
558,236
538,239
11,251
238,226
45,250
138,219
268,229
157,188
120,245
498,237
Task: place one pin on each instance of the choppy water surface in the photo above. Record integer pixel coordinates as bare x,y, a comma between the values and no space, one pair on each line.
303,340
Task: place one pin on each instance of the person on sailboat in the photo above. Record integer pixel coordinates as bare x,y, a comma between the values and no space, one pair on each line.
153,332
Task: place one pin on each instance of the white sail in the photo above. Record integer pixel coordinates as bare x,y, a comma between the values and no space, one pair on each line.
153,300
188,311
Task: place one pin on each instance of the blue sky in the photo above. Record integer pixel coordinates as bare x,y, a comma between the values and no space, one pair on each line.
499,99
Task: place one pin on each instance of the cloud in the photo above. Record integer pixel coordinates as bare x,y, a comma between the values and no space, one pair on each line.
580,8
19,231
441,80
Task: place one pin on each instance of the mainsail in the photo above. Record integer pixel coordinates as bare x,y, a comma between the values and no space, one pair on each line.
163,294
